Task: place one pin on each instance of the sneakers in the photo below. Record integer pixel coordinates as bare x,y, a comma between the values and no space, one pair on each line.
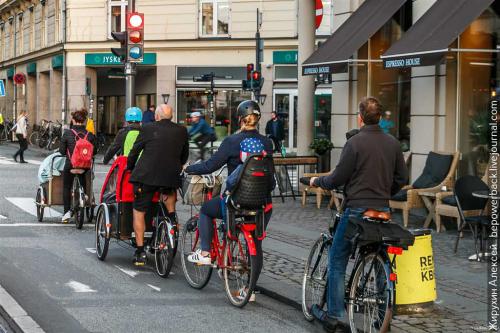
197,258
139,258
242,293
66,217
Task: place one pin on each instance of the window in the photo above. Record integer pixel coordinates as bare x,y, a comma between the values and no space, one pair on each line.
214,18
2,39
20,35
57,28
32,30
44,25
116,16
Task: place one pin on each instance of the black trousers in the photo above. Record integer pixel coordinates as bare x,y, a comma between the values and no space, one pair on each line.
277,144
68,178
23,145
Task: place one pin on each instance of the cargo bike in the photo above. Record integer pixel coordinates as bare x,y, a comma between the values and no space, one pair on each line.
114,220
51,194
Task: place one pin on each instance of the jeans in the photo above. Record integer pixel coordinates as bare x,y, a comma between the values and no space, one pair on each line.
338,258
23,145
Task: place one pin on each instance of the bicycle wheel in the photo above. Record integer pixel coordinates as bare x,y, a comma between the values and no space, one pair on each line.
196,275
39,204
102,236
89,213
315,276
78,210
34,137
240,270
54,143
164,252
371,295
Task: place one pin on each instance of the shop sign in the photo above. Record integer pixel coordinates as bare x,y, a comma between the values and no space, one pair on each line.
399,63
428,59
109,59
285,57
2,89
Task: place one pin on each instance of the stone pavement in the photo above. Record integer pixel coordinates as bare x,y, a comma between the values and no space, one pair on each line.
461,284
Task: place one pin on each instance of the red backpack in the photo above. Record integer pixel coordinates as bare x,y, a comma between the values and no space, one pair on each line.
83,152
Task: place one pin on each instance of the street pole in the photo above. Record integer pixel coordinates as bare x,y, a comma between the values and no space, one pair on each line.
130,70
258,54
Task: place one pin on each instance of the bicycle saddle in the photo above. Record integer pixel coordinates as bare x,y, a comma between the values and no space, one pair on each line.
377,215
77,171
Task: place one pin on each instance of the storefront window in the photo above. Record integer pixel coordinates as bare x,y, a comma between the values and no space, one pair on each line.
116,16
322,114
478,84
225,103
214,18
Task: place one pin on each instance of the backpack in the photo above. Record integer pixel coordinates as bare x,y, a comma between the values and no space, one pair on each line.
83,152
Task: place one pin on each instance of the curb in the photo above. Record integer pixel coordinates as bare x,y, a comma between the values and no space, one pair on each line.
17,318
278,297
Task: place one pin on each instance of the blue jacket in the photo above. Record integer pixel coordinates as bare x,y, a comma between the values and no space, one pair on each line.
228,153
148,117
201,127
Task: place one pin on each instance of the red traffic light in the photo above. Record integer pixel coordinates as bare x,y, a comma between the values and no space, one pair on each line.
135,20
256,76
249,71
135,36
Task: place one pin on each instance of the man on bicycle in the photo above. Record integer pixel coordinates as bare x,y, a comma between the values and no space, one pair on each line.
372,169
163,149
125,137
201,132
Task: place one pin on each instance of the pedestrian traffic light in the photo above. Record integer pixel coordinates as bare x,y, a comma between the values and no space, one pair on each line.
257,80
250,68
135,37
120,52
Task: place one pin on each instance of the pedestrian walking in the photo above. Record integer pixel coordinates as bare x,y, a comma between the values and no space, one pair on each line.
22,135
149,115
275,130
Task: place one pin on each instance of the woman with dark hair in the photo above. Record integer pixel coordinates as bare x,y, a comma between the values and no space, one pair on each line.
68,142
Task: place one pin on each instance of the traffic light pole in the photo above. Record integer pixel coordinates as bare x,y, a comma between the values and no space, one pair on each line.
130,70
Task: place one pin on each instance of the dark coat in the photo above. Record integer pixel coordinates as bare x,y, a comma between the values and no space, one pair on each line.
68,141
116,147
279,134
165,149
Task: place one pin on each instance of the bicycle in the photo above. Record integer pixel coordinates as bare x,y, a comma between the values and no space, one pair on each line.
370,289
100,143
82,205
233,250
5,133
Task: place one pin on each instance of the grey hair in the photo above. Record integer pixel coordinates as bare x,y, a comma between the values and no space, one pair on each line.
161,112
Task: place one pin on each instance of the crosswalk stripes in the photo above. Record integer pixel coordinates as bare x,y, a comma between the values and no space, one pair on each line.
28,205
9,161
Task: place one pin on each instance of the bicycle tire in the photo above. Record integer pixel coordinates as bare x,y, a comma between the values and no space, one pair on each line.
232,270
34,137
78,212
39,205
315,269
54,143
196,276
102,236
164,252
358,323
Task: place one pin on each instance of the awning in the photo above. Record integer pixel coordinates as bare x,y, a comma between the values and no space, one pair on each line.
426,42
335,53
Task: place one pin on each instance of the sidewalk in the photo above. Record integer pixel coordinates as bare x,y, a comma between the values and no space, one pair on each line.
461,284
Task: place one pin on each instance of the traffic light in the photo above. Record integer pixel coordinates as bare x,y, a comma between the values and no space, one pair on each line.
250,68
257,80
120,52
135,37
247,84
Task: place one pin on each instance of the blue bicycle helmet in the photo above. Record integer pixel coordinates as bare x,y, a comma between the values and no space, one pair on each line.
133,115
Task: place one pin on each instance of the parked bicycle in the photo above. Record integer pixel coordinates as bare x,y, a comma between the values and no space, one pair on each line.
5,133
370,276
47,135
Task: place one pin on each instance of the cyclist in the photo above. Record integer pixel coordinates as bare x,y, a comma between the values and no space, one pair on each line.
68,142
372,169
125,137
201,132
163,148
248,113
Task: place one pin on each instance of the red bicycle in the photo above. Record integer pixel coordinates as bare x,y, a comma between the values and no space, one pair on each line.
234,249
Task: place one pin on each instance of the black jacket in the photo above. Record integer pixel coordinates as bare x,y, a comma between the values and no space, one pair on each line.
280,129
68,142
371,168
117,147
165,149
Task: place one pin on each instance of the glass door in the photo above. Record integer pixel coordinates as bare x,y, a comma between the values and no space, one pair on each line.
285,105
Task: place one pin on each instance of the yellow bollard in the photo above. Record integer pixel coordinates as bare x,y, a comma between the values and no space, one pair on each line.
416,279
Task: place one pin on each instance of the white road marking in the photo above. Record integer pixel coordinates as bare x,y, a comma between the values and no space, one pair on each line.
3,217
79,287
127,271
4,161
41,225
101,172
34,162
29,206
154,287
17,313
91,249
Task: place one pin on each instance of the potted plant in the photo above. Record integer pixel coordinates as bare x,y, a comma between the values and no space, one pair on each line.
322,148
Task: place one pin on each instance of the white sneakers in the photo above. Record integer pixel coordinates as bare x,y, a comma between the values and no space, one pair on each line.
242,293
66,217
198,258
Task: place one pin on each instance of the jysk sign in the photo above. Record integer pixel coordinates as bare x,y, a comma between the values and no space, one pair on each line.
2,89
109,59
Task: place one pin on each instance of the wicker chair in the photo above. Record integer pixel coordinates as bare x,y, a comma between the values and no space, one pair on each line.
413,199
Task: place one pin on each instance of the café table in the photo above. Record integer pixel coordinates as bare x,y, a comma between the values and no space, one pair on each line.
484,195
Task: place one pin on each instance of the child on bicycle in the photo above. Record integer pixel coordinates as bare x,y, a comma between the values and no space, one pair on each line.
215,208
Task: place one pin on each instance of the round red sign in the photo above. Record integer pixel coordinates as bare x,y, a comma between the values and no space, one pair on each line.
19,78
319,13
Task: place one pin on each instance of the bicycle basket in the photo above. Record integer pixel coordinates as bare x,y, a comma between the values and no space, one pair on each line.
368,232
194,188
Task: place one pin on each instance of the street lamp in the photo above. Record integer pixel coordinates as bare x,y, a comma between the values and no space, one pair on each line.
165,98
262,98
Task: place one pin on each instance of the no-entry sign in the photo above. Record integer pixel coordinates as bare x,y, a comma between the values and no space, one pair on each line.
319,13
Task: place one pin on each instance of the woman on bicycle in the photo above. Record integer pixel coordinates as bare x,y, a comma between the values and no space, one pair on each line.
228,154
68,142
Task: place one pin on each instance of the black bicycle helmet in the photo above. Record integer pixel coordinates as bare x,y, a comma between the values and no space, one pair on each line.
248,107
